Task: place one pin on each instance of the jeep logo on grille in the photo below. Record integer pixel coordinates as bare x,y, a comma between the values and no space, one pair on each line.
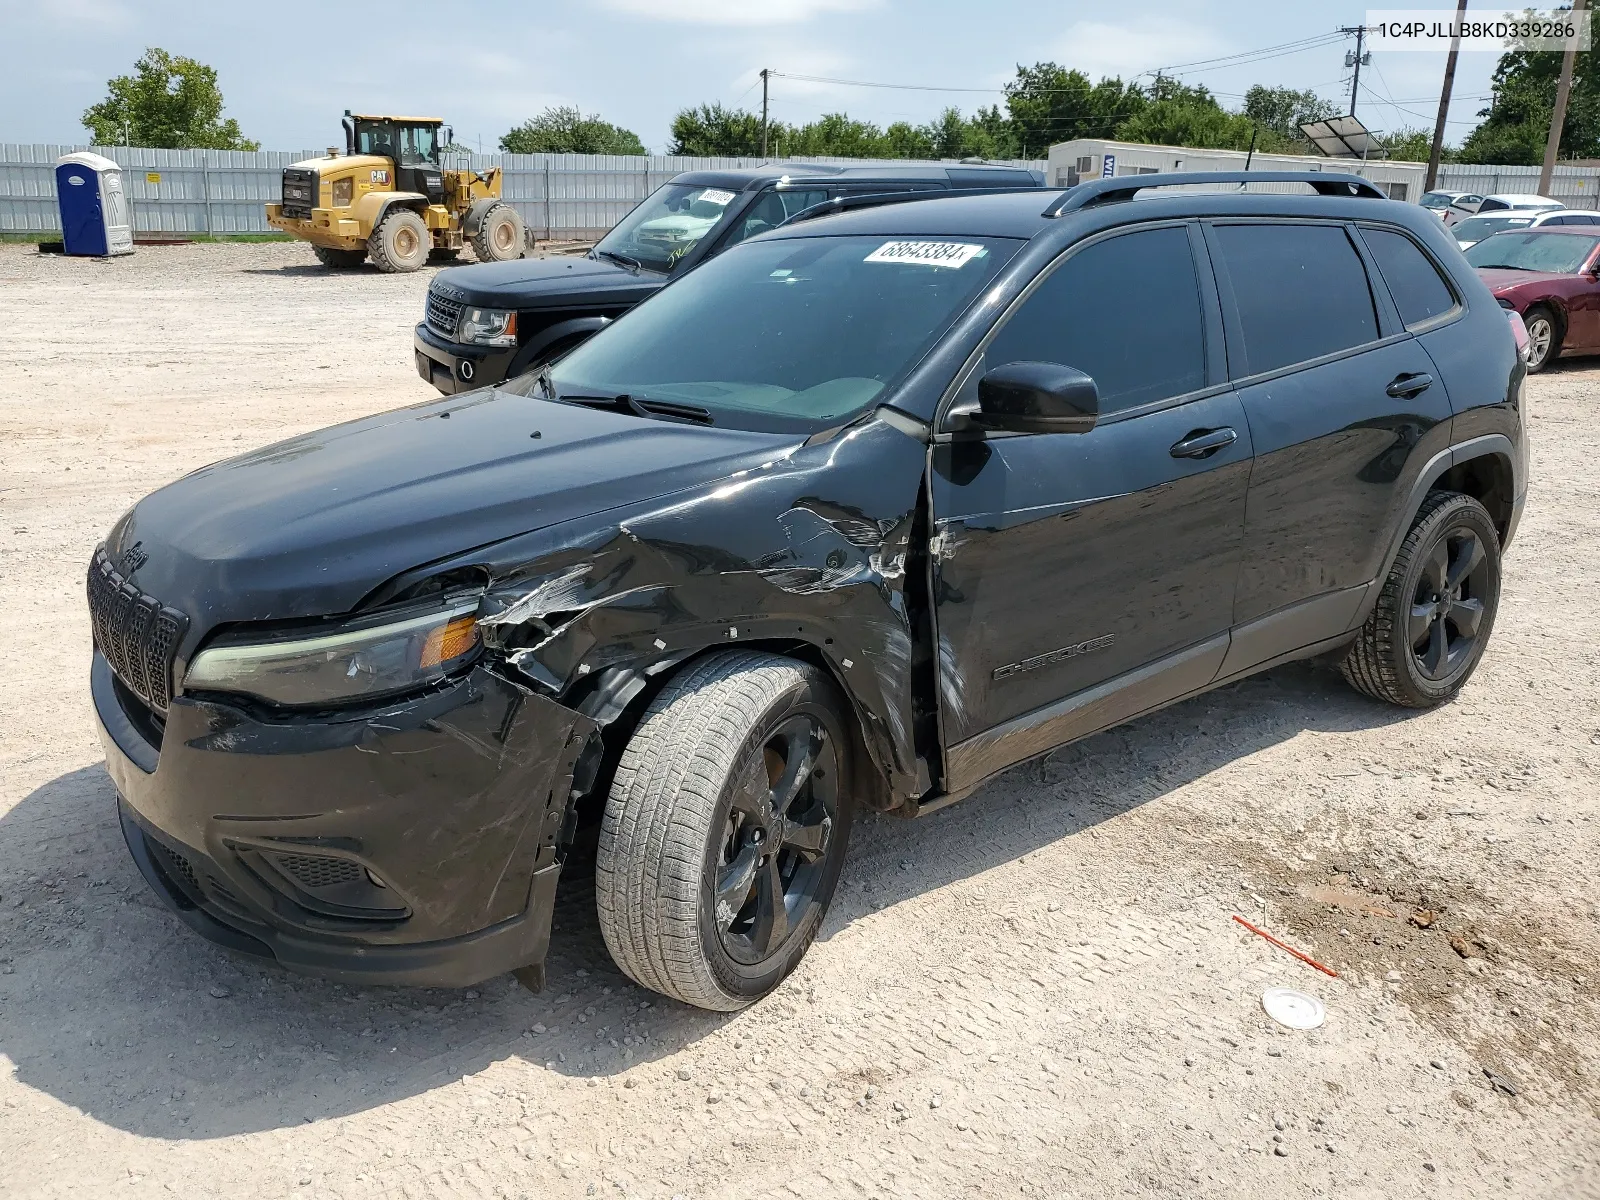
131,559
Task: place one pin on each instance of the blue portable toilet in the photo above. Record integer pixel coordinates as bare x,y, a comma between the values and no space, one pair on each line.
94,206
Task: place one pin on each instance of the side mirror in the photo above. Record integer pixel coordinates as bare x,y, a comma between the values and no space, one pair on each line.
1037,397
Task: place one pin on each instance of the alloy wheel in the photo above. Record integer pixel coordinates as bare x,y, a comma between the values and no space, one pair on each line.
1448,607
1541,333
775,841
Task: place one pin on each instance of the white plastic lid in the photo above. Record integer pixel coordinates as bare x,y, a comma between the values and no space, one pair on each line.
85,158
1292,1009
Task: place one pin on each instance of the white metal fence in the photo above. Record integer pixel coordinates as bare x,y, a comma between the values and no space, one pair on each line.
1576,187
225,191
559,195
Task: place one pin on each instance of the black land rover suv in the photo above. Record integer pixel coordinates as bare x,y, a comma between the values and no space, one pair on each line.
852,517
492,322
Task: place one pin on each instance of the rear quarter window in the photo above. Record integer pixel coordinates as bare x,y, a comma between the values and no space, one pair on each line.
1301,292
1414,282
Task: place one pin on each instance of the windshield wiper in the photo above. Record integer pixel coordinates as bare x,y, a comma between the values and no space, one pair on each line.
625,403
622,260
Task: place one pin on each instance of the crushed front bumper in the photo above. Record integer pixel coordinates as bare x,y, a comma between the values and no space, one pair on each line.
417,843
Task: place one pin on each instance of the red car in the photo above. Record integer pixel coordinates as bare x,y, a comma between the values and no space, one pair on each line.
1551,275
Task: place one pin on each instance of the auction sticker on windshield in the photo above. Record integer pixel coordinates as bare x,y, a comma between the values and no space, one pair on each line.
716,196
933,254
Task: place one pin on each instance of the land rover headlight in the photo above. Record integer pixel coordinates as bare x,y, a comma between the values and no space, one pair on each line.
343,189
487,327
380,657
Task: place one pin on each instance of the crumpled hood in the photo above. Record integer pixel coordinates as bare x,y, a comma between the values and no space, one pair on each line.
309,526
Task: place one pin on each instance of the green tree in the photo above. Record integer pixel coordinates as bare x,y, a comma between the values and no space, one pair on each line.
714,130
169,102
1283,110
837,135
905,140
1412,145
1517,121
1188,122
1049,103
566,130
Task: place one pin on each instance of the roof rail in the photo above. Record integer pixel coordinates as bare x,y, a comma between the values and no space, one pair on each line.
873,199
1110,191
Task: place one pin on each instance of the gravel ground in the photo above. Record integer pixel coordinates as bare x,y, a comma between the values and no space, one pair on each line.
1038,992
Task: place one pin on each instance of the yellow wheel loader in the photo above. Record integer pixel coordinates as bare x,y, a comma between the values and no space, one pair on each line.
387,199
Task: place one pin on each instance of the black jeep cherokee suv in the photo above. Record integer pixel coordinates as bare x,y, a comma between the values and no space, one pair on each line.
488,323
852,517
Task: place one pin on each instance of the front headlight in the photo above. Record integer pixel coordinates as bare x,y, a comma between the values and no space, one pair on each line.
357,662
487,327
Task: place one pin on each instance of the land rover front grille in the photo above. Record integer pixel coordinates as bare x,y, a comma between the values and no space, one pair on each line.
299,192
443,313
135,632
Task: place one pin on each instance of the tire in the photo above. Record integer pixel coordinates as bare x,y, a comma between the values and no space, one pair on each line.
692,807
401,242
499,236
329,257
1544,337
1436,611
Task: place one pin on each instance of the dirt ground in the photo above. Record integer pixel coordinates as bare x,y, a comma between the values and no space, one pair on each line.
1037,992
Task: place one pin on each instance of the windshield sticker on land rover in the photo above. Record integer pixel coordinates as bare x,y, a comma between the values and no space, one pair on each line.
716,196
932,254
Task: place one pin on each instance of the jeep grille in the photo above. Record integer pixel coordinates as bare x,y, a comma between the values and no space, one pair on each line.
138,636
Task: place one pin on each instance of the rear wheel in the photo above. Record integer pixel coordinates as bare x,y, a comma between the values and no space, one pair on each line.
330,257
1544,337
499,236
400,242
725,829
1433,617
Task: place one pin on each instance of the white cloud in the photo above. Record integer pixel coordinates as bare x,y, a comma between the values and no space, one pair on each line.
737,12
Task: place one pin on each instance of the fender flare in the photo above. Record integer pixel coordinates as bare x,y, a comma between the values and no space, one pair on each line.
1496,445
374,206
528,353
476,211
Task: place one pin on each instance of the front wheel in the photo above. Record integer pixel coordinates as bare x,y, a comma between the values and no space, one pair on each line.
499,236
1544,337
725,829
1433,617
400,242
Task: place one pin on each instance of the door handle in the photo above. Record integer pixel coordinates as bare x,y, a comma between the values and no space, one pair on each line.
1403,387
1203,442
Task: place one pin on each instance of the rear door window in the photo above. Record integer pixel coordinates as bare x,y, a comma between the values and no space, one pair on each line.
1414,282
1138,354
1301,292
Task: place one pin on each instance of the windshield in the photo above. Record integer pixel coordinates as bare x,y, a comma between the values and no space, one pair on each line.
1437,200
410,145
666,225
788,334
1478,228
1558,253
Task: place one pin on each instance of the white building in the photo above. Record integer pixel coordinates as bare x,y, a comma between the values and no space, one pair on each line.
1072,162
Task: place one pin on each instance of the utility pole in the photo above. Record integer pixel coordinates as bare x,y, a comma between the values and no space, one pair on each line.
1558,118
1444,99
764,73
1354,60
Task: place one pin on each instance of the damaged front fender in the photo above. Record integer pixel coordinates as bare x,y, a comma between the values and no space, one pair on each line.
811,548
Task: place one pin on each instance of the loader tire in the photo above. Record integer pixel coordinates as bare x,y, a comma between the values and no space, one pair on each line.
401,242
499,236
330,257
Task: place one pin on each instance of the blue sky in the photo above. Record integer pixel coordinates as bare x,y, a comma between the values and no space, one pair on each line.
485,67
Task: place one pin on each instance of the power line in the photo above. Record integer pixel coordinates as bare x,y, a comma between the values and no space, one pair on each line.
1310,43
